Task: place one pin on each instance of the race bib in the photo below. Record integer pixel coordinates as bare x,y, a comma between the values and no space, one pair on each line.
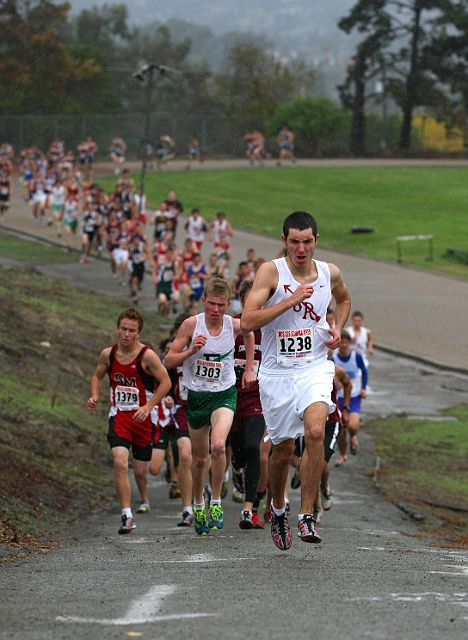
239,368
195,283
127,398
4,191
207,374
168,276
294,347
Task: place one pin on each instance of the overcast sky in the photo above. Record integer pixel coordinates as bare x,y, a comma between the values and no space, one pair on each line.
254,15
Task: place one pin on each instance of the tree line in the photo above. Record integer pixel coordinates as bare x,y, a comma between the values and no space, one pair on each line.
54,63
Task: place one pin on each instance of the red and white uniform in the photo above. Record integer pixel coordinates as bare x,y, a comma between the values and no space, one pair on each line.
131,387
248,399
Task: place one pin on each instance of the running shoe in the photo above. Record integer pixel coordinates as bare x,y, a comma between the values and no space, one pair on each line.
258,524
127,525
238,479
246,521
307,531
237,496
200,522
353,445
174,491
341,460
280,531
216,520
224,489
327,499
144,507
296,480
186,520
267,515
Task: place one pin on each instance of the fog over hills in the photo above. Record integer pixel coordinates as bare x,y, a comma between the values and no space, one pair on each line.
305,29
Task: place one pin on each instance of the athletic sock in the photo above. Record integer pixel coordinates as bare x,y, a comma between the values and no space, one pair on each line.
216,502
198,506
127,512
188,509
279,512
226,476
259,497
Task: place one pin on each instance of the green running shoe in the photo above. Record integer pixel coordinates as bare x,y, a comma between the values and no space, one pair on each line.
200,522
216,517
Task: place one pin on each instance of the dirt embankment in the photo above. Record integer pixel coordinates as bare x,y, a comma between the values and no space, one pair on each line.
55,464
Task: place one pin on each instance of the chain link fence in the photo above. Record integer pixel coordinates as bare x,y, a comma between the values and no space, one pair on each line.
219,136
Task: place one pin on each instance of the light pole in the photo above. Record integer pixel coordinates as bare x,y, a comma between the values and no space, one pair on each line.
148,70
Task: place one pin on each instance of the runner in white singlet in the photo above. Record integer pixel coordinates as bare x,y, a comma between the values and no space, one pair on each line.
204,345
289,302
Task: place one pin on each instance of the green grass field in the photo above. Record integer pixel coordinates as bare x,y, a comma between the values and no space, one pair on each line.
20,249
424,461
394,201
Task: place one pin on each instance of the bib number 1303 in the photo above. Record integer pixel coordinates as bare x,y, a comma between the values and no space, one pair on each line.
207,374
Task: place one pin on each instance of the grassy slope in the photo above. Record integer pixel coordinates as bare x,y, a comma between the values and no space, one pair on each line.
55,459
427,461
395,201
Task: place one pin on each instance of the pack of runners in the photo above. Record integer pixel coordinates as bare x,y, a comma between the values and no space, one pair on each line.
250,395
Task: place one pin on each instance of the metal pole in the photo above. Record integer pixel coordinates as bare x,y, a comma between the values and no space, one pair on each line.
149,91
384,142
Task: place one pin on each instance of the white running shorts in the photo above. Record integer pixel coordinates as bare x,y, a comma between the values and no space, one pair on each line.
286,396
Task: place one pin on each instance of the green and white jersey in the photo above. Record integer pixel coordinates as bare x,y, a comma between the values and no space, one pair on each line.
211,368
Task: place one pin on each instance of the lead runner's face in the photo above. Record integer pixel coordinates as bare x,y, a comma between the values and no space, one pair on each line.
301,246
128,332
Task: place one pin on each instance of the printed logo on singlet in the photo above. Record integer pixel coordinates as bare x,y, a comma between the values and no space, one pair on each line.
306,308
121,379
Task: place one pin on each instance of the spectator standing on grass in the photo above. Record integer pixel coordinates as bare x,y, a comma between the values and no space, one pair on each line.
138,382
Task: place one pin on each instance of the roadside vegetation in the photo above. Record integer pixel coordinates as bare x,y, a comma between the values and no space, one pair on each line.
424,466
56,464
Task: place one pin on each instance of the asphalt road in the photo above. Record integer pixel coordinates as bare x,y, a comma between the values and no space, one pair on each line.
373,576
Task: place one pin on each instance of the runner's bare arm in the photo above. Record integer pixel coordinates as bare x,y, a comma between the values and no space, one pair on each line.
343,306
153,365
370,343
265,283
180,350
98,377
248,377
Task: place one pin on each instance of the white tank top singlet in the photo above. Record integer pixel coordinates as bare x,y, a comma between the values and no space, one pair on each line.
349,364
360,345
195,229
296,338
211,368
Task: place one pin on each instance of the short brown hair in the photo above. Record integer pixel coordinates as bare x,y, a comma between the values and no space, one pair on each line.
345,335
218,287
131,314
246,286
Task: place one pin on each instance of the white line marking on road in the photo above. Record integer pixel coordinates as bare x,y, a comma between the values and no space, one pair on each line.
374,549
449,598
200,557
141,611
